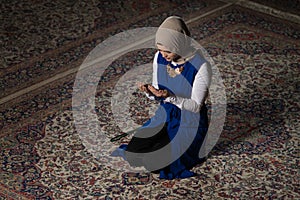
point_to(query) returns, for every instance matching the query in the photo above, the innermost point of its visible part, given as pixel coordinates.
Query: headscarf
(174, 35)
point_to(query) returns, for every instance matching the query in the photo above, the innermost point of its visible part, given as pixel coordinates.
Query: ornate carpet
(42, 155)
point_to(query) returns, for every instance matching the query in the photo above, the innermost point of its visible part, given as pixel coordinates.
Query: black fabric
(149, 139)
(144, 141)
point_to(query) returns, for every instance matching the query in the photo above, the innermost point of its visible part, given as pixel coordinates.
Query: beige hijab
(174, 36)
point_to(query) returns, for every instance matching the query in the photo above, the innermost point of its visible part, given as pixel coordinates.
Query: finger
(153, 90)
(157, 93)
(143, 88)
(139, 84)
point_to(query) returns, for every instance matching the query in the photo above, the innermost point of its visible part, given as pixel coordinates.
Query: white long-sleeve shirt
(199, 88)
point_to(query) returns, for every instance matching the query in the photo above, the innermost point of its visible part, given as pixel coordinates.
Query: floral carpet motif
(70, 54)
(257, 156)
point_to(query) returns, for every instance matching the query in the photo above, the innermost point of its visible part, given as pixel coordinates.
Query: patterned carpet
(42, 155)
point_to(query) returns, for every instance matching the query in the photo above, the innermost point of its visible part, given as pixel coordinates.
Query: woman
(170, 141)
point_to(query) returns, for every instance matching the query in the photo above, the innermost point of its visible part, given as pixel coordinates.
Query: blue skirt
(180, 133)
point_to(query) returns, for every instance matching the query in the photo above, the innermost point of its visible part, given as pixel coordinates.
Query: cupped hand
(158, 93)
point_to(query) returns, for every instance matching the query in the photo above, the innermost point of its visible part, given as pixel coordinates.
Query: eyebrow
(164, 51)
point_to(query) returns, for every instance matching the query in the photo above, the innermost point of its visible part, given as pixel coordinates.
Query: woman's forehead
(161, 47)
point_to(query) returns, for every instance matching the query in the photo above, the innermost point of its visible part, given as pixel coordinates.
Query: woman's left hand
(158, 93)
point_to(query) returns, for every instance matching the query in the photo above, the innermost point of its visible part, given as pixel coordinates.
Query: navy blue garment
(182, 130)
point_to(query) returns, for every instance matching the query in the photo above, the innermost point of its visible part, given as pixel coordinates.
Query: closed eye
(162, 51)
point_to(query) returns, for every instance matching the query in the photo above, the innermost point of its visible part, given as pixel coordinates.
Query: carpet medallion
(257, 156)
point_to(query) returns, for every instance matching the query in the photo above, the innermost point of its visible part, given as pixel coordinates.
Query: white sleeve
(155, 69)
(154, 77)
(199, 91)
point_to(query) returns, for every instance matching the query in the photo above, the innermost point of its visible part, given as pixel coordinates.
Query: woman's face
(169, 56)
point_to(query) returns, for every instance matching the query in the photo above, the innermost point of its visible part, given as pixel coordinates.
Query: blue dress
(183, 130)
